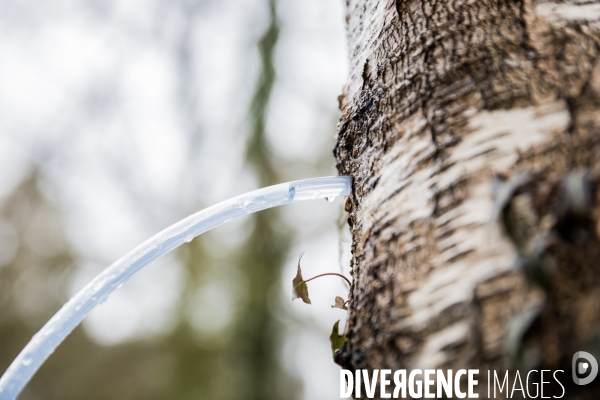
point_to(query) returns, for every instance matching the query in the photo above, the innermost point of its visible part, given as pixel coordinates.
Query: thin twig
(330, 273)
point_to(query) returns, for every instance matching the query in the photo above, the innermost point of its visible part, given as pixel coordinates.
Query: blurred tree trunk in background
(471, 131)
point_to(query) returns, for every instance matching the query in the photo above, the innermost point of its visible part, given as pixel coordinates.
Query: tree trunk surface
(471, 131)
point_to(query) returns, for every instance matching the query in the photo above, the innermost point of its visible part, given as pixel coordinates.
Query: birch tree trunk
(471, 129)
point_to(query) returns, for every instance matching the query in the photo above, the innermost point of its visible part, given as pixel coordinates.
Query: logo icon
(585, 368)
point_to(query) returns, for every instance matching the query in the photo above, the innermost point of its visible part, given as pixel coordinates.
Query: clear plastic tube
(97, 291)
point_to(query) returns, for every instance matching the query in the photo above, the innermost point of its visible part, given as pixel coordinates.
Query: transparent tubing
(96, 292)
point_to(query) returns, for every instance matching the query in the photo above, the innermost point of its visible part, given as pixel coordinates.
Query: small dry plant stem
(332, 274)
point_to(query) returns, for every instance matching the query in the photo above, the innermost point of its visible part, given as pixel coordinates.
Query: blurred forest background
(118, 118)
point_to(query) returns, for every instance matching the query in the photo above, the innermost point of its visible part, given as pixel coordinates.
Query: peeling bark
(471, 131)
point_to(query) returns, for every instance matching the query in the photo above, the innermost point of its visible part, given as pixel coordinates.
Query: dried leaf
(336, 340)
(299, 287)
(339, 303)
